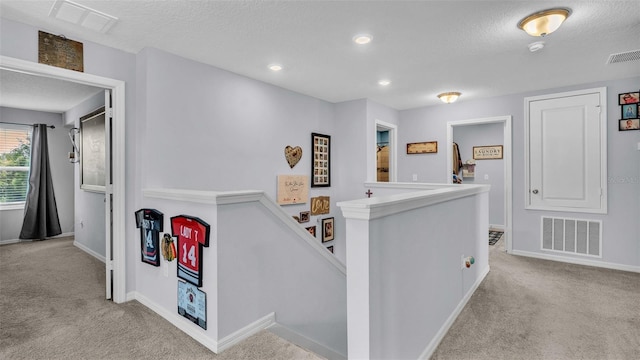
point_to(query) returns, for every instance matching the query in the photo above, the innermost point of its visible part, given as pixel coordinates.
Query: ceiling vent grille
(624, 57)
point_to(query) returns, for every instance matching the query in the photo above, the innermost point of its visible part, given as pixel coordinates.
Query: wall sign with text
(487, 152)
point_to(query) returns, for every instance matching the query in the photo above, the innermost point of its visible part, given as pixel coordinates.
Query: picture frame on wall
(629, 98)
(629, 111)
(304, 216)
(328, 229)
(628, 124)
(320, 160)
(312, 230)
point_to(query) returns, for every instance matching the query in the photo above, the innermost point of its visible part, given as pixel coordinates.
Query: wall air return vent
(573, 236)
(633, 55)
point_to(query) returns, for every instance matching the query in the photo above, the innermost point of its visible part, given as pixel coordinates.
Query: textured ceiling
(423, 47)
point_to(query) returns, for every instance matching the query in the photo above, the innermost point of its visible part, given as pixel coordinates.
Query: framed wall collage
(321, 160)
(629, 110)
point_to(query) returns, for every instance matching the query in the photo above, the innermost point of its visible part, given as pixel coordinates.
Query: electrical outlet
(165, 269)
(415, 177)
(486, 176)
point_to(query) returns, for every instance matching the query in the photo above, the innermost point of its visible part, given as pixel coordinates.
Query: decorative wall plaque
(59, 51)
(427, 147)
(293, 189)
(487, 152)
(320, 205)
(293, 155)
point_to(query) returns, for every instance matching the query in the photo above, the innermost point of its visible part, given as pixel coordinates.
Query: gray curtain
(40, 212)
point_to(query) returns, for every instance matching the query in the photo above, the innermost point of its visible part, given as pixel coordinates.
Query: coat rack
(74, 156)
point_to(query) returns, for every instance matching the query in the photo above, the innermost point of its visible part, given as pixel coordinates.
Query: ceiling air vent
(624, 56)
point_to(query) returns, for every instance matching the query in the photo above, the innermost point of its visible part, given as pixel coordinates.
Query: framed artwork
(487, 152)
(629, 124)
(429, 147)
(92, 151)
(328, 230)
(192, 304)
(330, 248)
(320, 205)
(629, 98)
(150, 222)
(304, 216)
(312, 230)
(320, 160)
(629, 111)
(293, 189)
(193, 237)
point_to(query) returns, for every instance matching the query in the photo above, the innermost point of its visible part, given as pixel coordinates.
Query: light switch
(486, 176)
(415, 176)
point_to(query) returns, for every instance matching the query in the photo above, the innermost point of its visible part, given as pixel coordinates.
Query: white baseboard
(241, 334)
(178, 321)
(13, 241)
(496, 227)
(426, 354)
(305, 343)
(570, 260)
(88, 251)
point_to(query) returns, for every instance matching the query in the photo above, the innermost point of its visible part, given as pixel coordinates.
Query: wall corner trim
(429, 350)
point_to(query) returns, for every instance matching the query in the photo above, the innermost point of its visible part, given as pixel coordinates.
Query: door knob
(535, 191)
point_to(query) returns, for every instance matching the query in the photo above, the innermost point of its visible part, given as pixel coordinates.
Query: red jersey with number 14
(192, 234)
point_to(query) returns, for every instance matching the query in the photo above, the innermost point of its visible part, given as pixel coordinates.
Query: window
(15, 156)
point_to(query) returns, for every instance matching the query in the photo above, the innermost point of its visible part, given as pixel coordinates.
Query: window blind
(15, 154)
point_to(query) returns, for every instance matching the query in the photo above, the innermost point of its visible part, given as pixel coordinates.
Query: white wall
(621, 226)
(20, 41)
(90, 206)
(61, 170)
(469, 136)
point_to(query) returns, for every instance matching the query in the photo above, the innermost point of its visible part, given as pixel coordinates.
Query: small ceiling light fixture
(449, 97)
(275, 67)
(384, 82)
(362, 39)
(544, 22)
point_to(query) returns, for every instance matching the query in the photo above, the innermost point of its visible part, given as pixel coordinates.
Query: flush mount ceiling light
(362, 39)
(544, 22)
(384, 82)
(81, 15)
(449, 97)
(275, 67)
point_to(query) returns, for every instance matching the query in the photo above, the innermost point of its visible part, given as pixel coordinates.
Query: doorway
(386, 155)
(115, 191)
(505, 121)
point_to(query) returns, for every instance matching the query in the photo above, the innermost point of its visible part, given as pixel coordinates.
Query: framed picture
(320, 205)
(629, 98)
(487, 152)
(328, 229)
(629, 111)
(192, 303)
(304, 216)
(312, 230)
(629, 124)
(429, 147)
(320, 160)
(92, 151)
(330, 248)
(293, 189)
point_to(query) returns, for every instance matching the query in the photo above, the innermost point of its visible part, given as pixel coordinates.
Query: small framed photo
(312, 230)
(321, 164)
(629, 111)
(629, 124)
(330, 248)
(328, 229)
(629, 98)
(304, 217)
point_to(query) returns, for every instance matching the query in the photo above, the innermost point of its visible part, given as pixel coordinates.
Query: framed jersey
(150, 223)
(193, 235)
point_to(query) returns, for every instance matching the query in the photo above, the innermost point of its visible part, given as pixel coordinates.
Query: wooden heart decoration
(293, 155)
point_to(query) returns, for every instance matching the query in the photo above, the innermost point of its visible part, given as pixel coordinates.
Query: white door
(108, 195)
(567, 152)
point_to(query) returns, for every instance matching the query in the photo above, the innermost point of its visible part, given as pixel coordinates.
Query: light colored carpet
(536, 309)
(52, 307)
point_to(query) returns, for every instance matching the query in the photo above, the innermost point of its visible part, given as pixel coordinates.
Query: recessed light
(362, 39)
(275, 67)
(384, 82)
